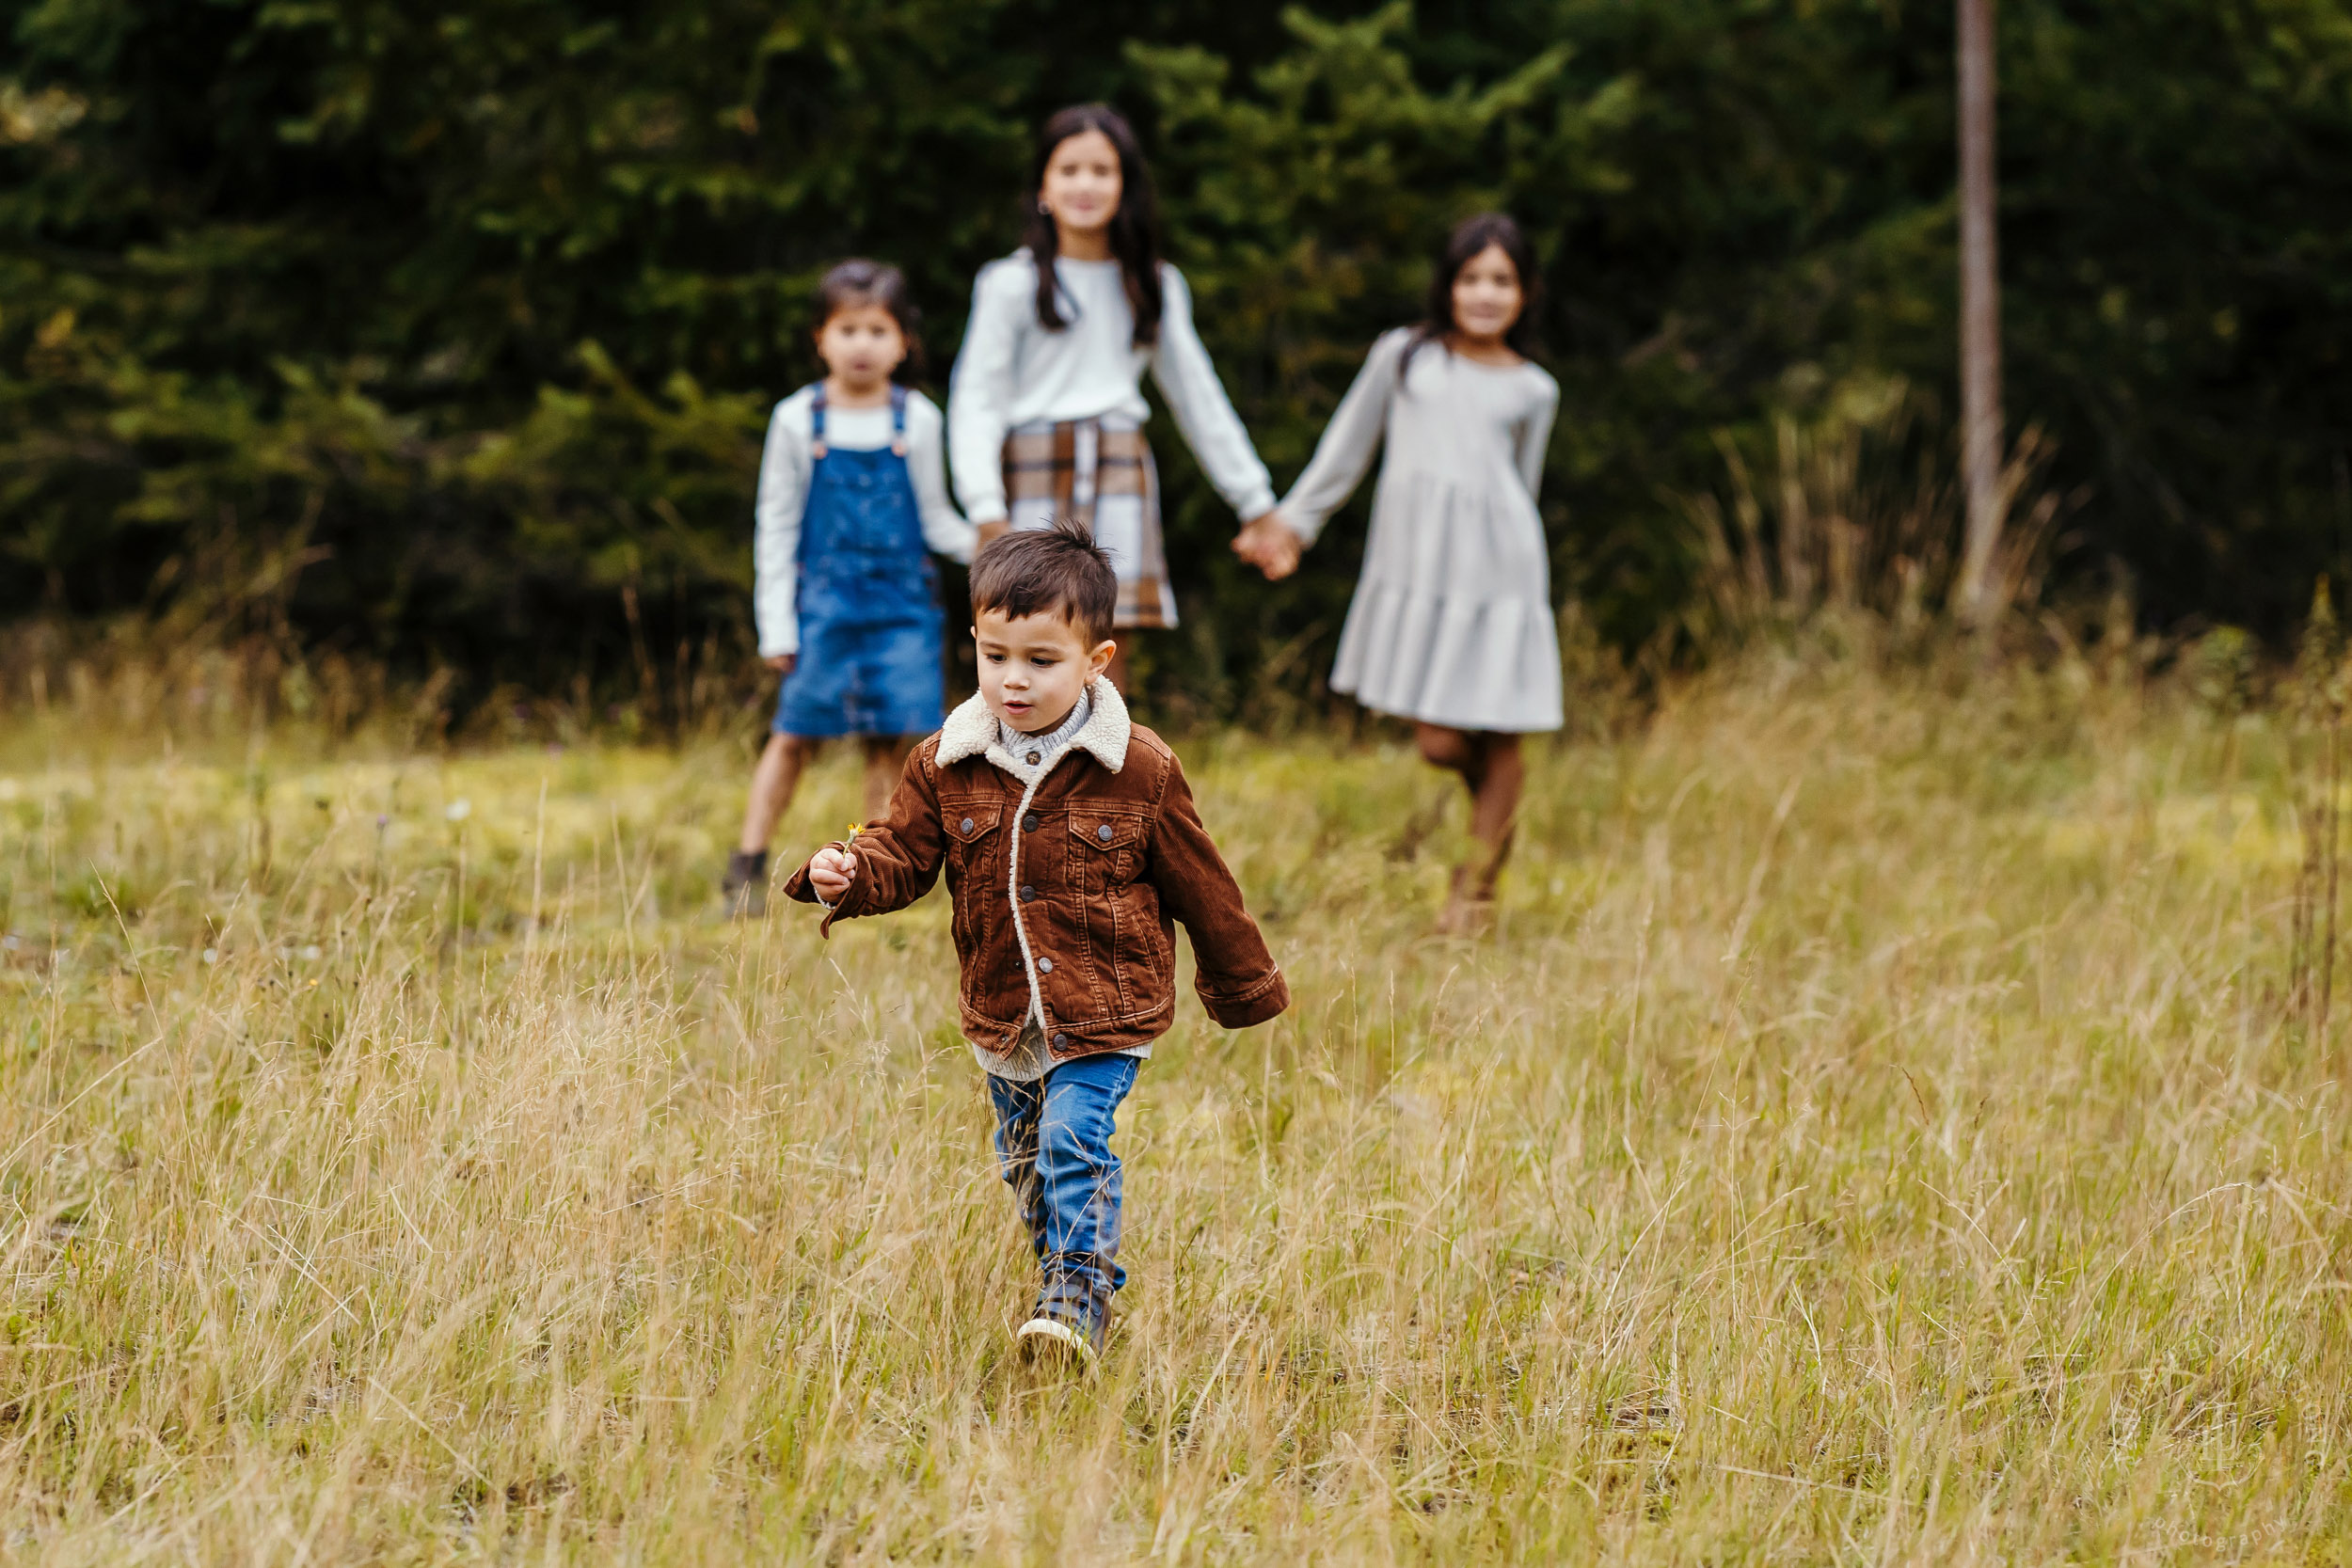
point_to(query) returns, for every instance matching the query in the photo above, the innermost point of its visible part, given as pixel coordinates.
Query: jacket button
(1045, 966)
(1104, 832)
(1033, 759)
(1028, 823)
(1061, 1040)
(967, 824)
(1027, 892)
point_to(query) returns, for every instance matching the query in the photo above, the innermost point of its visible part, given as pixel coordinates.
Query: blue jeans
(1054, 1145)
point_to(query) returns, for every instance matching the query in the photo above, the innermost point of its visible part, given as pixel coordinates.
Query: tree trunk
(1979, 313)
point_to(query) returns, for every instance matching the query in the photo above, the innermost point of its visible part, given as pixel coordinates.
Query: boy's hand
(830, 871)
(780, 663)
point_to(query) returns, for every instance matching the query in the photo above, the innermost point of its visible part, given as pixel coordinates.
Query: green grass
(1873, 1134)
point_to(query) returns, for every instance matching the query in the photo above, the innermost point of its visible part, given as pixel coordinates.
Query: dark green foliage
(425, 329)
(2180, 254)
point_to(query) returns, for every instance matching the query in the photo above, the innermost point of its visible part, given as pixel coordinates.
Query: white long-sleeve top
(1011, 372)
(785, 469)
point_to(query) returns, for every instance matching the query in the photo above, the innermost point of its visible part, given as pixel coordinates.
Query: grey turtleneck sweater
(1032, 754)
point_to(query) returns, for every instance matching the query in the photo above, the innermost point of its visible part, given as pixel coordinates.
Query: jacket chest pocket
(1106, 847)
(1108, 855)
(976, 861)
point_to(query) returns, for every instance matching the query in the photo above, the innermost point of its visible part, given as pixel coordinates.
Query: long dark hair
(1470, 237)
(1134, 228)
(853, 284)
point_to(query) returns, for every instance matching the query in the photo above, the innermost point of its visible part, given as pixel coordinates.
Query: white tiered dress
(1451, 623)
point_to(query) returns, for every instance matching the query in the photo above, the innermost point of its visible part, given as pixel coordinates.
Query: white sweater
(1011, 372)
(785, 471)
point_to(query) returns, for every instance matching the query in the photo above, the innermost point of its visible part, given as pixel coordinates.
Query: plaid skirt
(1100, 472)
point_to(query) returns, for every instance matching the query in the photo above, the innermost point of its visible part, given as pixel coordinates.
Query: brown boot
(1470, 904)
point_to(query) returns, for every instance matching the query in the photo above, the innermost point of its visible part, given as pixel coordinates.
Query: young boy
(1070, 845)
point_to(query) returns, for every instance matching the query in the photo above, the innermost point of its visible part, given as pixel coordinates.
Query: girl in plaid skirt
(1045, 410)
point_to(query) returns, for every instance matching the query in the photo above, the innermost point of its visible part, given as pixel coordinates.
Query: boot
(744, 888)
(1470, 904)
(1469, 909)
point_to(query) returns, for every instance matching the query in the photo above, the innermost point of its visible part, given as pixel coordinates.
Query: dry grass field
(1879, 1131)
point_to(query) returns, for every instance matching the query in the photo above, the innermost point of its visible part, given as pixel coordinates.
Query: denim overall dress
(868, 599)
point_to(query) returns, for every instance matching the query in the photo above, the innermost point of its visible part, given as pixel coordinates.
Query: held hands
(1267, 543)
(780, 663)
(830, 871)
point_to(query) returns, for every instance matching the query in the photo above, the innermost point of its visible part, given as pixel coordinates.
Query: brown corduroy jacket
(1066, 891)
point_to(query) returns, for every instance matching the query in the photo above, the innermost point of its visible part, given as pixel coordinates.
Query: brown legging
(1494, 774)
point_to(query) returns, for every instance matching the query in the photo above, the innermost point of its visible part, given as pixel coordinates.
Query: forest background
(438, 335)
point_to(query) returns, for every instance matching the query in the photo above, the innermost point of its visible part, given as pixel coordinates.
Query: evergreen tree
(438, 324)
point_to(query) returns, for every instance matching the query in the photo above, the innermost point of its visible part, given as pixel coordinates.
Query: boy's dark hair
(853, 284)
(1031, 571)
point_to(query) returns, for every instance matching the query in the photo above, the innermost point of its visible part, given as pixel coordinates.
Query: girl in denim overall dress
(853, 501)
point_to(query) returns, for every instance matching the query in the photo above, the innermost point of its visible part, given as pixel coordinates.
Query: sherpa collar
(971, 730)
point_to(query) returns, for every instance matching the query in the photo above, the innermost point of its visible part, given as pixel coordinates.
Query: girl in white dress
(1452, 624)
(1045, 410)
